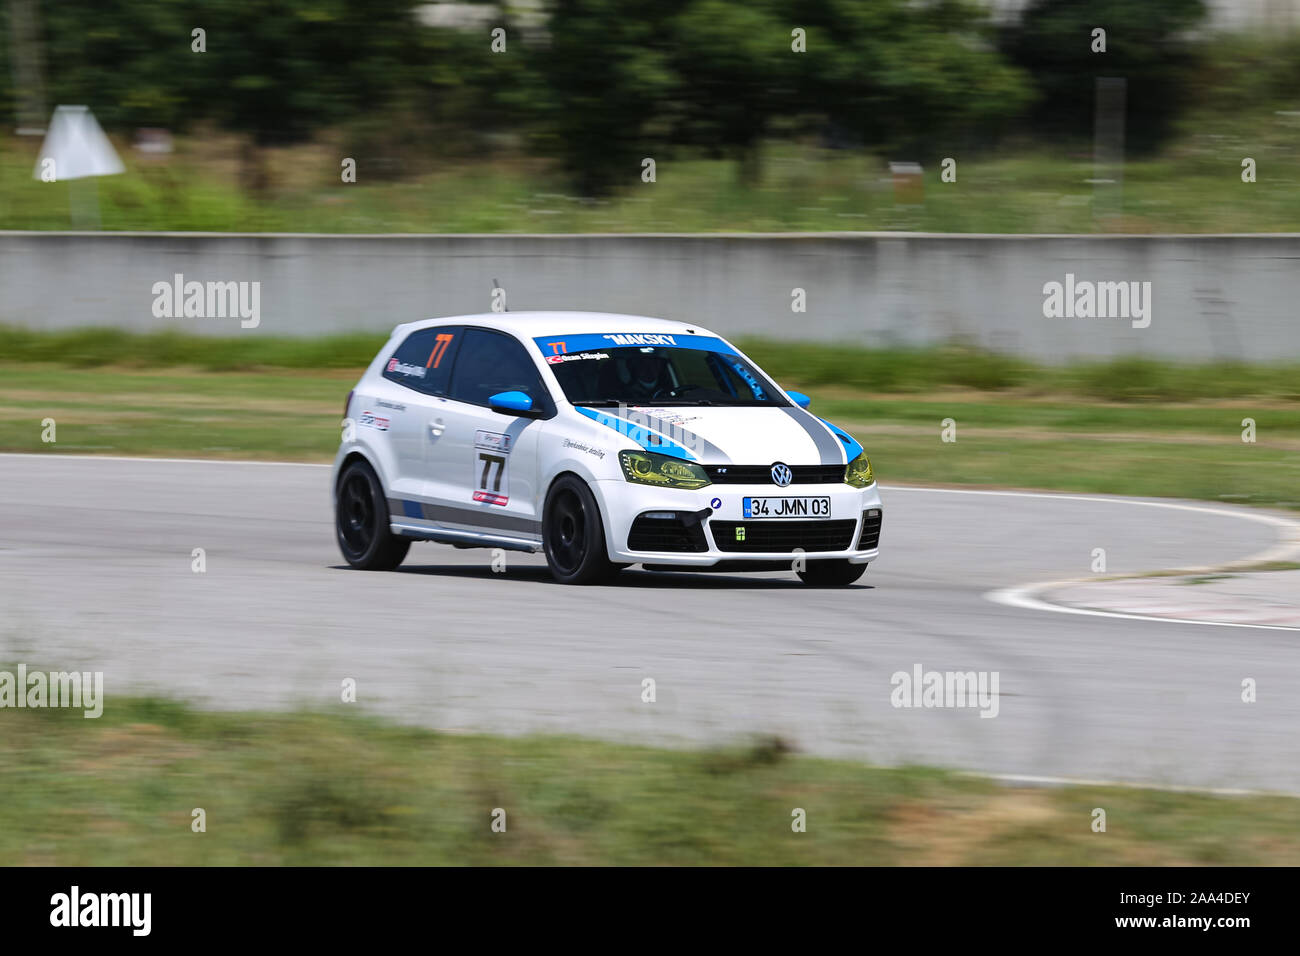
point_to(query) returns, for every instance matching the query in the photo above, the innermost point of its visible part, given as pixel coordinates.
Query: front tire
(573, 534)
(833, 573)
(361, 521)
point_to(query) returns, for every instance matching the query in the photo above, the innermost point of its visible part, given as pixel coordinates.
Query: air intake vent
(762, 474)
(782, 536)
(666, 534)
(870, 537)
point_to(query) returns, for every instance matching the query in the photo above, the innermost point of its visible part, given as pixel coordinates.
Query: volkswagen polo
(601, 440)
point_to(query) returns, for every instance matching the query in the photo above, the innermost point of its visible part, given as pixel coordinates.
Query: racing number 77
(488, 462)
(440, 343)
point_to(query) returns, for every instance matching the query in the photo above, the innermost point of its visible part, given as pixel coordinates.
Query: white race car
(603, 440)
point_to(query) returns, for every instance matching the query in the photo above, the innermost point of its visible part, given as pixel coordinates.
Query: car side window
(489, 362)
(423, 362)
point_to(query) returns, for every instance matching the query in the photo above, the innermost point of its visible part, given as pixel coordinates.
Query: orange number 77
(440, 343)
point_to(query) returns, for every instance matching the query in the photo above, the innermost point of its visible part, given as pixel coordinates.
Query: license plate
(787, 507)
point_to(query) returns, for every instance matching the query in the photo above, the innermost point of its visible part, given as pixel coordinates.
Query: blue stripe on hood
(647, 439)
(851, 447)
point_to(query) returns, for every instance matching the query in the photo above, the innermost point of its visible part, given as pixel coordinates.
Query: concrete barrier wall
(1212, 297)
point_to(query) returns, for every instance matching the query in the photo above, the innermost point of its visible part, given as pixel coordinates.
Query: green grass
(1082, 428)
(1195, 186)
(810, 364)
(344, 788)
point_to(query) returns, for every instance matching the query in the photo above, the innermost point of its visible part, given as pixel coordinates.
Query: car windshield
(667, 375)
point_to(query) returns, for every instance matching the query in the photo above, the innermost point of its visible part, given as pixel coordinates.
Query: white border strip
(1027, 596)
(1035, 780)
(59, 456)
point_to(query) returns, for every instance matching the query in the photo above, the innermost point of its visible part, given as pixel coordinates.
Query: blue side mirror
(511, 403)
(799, 398)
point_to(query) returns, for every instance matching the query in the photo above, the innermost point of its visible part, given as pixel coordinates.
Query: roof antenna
(495, 286)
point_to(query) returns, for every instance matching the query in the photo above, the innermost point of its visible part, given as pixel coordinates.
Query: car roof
(527, 325)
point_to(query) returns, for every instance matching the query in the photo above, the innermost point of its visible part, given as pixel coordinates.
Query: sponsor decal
(740, 532)
(579, 446)
(666, 415)
(492, 441)
(640, 338)
(369, 419)
(575, 357)
(487, 498)
(401, 368)
(575, 342)
(752, 382)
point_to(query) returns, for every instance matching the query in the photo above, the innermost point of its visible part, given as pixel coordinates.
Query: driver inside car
(649, 377)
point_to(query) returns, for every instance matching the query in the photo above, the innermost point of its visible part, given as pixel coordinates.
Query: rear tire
(573, 534)
(833, 573)
(361, 521)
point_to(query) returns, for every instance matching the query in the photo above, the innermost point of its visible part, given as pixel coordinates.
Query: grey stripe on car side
(475, 517)
(828, 446)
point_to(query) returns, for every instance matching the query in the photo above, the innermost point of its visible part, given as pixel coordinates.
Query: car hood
(739, 435)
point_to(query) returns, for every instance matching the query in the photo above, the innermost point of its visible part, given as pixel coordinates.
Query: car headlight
(647, 468)
(858, 472)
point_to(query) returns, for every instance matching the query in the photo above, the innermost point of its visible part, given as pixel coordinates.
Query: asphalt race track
(96, 574)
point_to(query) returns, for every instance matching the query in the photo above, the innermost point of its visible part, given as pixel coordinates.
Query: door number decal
(491, 478)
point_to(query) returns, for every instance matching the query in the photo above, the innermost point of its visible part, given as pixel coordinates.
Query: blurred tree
(276, 70)
(279, 69)
(908, 78)
(734, 71)
(129, 62)
(609, 85)
(1150, 44)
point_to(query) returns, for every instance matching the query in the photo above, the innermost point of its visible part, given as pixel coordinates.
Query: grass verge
(344, 788)
(1126, 428)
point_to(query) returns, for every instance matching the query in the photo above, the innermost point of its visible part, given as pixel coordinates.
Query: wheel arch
(593, 485)
(357, 453)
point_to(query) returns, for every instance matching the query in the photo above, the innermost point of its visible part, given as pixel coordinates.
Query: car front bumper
(726, 536)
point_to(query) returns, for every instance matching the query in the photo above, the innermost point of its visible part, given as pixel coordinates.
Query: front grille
(762, 474)
(778, 535)
(666, 534)
(870, 537)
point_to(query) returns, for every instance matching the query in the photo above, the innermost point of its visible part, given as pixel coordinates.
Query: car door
(415, 378)
(483, 469)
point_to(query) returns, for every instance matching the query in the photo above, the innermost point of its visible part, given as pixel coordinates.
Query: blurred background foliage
(590, 87)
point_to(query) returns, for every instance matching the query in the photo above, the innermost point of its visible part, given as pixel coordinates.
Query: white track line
(1025, 778)
(1026, 596)
(55, 456)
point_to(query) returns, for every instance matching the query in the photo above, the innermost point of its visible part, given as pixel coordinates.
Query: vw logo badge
(781, 474)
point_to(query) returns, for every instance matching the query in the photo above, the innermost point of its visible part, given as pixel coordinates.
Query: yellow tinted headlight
(647, 468)
(858, 472)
